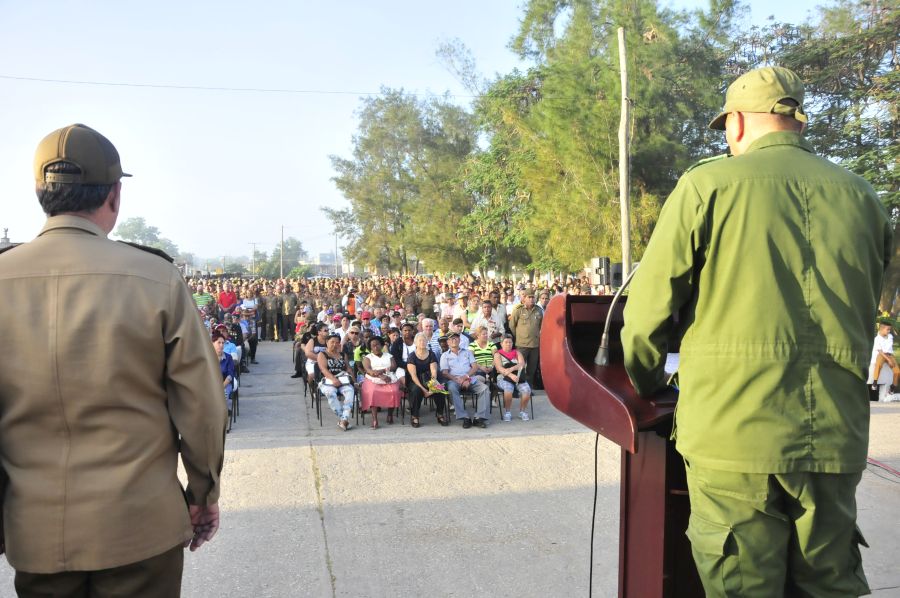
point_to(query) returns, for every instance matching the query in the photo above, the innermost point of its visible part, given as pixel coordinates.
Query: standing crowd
(383, 340)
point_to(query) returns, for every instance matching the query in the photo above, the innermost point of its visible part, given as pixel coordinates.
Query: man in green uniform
(773, 415)
(273, 312)
(288, 309)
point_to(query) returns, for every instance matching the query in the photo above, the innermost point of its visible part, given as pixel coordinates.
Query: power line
(275, 90)
(212, 88)
(191, 87)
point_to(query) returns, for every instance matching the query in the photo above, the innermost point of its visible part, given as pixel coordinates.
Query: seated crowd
(381, 340)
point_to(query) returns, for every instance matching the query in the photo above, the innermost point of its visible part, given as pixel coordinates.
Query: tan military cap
(93, 153)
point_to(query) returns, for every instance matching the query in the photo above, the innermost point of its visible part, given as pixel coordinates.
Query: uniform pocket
(863, 584)
(715, 554)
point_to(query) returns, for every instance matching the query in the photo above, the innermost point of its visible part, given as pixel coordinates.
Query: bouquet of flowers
(436, 387)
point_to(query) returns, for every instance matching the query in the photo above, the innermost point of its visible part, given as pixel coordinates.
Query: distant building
(322, 264)
(4, 240)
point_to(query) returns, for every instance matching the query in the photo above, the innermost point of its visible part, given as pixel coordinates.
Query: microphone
(602, 357)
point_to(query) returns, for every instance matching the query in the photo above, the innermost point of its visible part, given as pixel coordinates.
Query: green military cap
(763, 90)
(84, 147)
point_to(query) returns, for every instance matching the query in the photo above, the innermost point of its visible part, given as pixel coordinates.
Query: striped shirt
(484, 357)
(203, 299)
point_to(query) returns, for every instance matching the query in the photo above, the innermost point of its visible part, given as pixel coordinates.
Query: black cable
(593, 519)
(882, 476)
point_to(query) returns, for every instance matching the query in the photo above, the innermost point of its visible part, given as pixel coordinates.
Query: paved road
(314, 511)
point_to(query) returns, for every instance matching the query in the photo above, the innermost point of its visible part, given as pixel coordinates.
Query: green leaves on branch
(403, 183)
(528, 176)
(136, 230)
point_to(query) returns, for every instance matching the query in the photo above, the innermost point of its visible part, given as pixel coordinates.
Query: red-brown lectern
(654, 554)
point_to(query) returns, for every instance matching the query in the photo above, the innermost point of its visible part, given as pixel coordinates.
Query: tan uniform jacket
(525, 324)
(107, 363)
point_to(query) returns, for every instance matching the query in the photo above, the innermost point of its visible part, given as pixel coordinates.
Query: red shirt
(227, 299)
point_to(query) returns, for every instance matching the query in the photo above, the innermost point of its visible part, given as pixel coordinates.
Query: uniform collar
(780, 138)
(72, 222)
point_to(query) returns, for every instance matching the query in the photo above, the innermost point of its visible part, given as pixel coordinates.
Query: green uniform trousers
(156, 577)
(775, 535)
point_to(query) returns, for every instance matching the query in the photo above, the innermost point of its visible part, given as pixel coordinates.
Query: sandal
(414, 422)
(443, 420)
(374, 423)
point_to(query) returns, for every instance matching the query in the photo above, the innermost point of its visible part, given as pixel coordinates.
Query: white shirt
(494, 324)
(883, 344)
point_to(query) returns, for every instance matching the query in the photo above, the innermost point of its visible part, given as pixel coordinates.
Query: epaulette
(8, 247)
(153, 250)
(707, 161)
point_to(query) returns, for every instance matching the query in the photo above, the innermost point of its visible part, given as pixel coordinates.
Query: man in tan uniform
(112, 375)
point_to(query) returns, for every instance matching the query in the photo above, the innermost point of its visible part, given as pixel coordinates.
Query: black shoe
(297, 376)
(253, 362)
(481, 423)
(467, 422)
(892, 389)
(245, 369)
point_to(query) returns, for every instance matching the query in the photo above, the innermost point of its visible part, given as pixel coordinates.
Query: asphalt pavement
(311, 510)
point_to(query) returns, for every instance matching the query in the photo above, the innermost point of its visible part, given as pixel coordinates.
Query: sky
(218, 170)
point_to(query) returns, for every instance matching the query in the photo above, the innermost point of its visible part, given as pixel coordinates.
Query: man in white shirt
(457, 327)
(459, 369)
(489, 318)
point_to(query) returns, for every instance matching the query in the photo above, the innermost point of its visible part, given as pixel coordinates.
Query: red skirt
(380, 395)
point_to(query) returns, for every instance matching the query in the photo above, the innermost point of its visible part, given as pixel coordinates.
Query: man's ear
(739, 126)
(114, 198)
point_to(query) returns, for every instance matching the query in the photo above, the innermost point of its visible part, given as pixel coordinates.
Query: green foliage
(403, 183)
(300, 272)
(236, 268)
(529, 176)
(136, 230)
(556, 125)
(270, 267)
(850, 63)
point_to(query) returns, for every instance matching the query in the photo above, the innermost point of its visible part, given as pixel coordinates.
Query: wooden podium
(654, 554)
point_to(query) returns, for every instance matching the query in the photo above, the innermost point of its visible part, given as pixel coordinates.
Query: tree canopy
(527, 175)
(136, 230)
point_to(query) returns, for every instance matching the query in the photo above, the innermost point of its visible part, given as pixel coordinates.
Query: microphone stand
(602, 357)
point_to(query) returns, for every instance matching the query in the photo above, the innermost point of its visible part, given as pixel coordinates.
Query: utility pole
(281, 270)
(253, 259)
(624, 161)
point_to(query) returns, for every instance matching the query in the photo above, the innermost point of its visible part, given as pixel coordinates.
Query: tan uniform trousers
(156, 577)
(786, 535)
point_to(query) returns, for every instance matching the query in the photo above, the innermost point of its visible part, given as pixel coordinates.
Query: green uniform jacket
(774, 262)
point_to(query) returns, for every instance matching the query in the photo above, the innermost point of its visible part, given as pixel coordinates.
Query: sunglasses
(354, 333)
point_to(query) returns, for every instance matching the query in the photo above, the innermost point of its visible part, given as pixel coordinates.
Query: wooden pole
(624, 161)
(281, 264)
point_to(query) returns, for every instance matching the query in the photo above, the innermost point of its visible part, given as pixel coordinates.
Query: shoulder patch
(153, 250)
(8, 247)
(707, 161)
